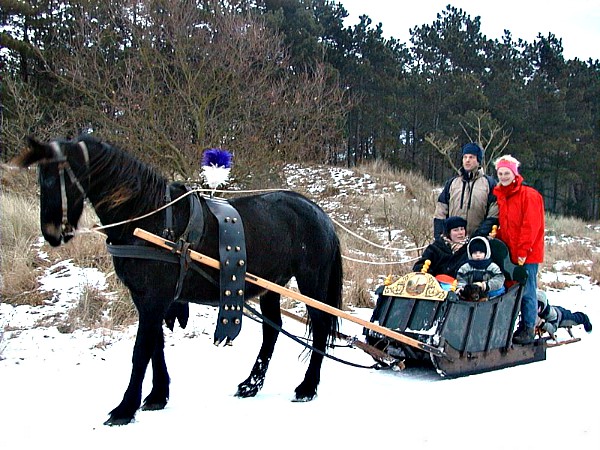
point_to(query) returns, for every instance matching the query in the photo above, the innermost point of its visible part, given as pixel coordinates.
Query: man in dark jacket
(468, 195)
(449, 250)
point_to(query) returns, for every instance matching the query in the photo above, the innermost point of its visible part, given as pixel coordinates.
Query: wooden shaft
(211, 262)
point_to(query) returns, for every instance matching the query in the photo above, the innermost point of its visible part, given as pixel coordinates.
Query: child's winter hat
(473, 149)
(479, 244)
(509, 162)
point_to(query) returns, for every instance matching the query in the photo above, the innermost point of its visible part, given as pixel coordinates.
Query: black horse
(286, 236)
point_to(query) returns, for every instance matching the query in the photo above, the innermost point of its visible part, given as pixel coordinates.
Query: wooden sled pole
(266, 284)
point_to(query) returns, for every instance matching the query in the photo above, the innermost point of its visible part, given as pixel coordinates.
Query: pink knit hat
(509, 162)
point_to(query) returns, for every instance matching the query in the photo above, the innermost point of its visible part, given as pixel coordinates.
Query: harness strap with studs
(232, 255)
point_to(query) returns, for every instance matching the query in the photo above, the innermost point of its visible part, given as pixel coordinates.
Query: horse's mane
(128, 181)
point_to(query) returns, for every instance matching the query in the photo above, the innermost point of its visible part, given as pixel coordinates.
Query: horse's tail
(334, 289)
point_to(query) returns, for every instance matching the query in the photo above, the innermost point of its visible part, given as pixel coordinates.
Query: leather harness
(232, 257)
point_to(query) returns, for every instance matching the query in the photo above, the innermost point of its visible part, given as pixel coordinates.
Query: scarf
(455, 246)
(480, 264)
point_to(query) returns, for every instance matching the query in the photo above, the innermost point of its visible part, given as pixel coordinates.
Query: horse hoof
(254, 383)
(245, 391)
(113, 421)
(305, 393)
(308, 398)
(155, 406)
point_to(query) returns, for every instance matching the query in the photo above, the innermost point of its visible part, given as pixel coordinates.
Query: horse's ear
(36, 152)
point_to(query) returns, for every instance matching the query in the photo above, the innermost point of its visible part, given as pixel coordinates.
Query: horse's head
(61, 165)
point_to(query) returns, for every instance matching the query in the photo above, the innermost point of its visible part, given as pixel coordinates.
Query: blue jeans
(569, 318)
(529, 299)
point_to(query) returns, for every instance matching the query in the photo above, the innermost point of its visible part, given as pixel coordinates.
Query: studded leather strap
(232, 255)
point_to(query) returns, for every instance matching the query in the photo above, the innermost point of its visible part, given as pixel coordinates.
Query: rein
(67, 229)
(97, 229)
(300, 341)
(170, 203)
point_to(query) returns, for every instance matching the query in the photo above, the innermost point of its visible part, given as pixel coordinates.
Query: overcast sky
(576, 22)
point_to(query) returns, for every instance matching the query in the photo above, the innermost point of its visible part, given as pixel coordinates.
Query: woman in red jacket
(521, 218)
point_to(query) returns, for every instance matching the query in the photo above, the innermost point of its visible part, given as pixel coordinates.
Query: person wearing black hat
(468, 195)
(480, 270)
(448, 251)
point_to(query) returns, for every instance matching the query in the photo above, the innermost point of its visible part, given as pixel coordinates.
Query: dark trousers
(570, 319)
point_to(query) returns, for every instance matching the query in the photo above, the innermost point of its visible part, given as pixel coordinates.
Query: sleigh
(473, 337)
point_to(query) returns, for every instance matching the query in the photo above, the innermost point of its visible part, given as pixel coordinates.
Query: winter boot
(587, 325)
(524, 336)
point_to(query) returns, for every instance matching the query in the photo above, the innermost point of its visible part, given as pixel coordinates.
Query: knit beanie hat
(453, 222)
(477, 245)
(473, 149)
(509, 162)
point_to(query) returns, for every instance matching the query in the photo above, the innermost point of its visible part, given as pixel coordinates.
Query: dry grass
(96, 309)
(575, 251)
(18, 231)
(21, 264)
(405, 202)
(18, 181)
(571, 227)
(573, 240)
(595, 268)
(397, 215)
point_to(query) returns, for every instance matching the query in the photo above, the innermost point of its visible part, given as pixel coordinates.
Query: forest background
(283, 81)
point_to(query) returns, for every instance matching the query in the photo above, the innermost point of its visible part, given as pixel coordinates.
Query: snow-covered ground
(56, 390)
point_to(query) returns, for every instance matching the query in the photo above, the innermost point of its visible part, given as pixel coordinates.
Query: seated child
(550, 318)
(480, 270)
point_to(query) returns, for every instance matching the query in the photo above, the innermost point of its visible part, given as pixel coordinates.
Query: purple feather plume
(216, 157)
(216, 165)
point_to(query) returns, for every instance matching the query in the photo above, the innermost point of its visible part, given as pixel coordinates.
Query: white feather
(215, 176)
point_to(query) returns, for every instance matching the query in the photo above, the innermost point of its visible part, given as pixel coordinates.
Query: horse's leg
(159, 395)
(322, 325)
(269, 305)
(149, 335)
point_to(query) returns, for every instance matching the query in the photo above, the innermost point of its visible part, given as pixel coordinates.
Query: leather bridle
(66, 228)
